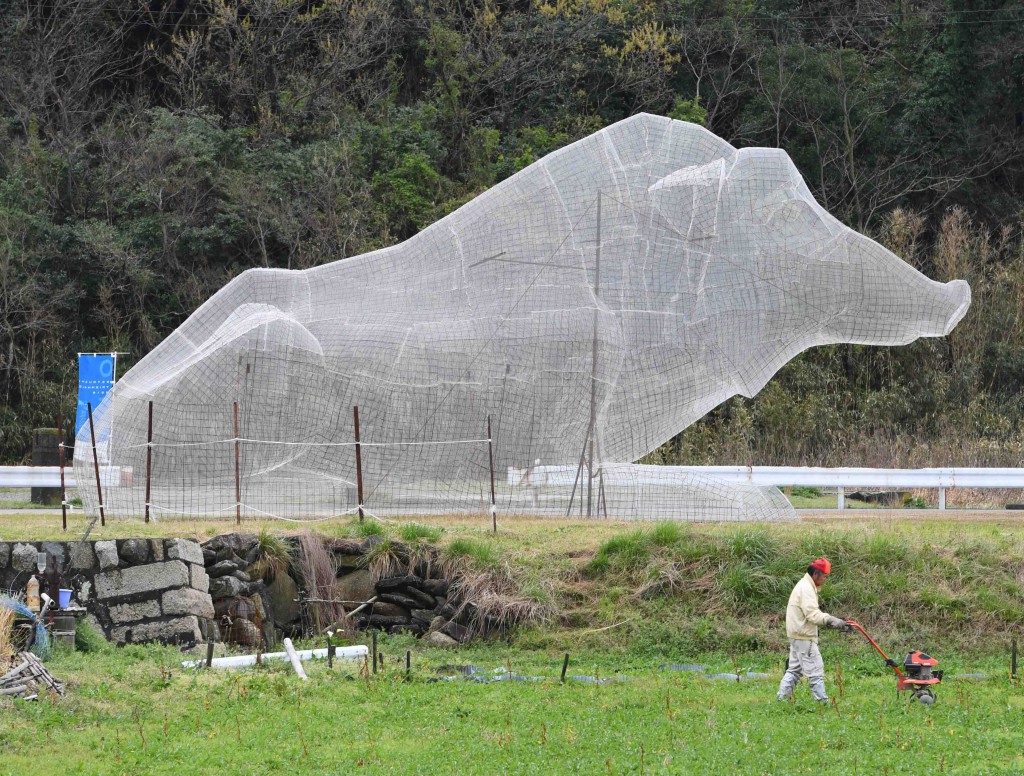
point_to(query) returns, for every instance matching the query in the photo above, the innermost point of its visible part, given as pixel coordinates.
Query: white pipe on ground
(294, 657)
(241, 661)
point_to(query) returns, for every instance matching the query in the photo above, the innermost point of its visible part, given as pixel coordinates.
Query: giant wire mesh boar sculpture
(590, 307)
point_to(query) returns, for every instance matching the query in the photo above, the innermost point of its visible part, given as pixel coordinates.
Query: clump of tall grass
(368, 527)
(466, 554)
(275, 557)
(412, 532)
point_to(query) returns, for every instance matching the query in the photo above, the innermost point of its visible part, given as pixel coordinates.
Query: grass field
(623, 600)
(135, 710)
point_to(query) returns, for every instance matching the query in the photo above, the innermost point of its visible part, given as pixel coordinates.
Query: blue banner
(95, 379)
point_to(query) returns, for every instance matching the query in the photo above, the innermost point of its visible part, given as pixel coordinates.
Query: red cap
(822, 565)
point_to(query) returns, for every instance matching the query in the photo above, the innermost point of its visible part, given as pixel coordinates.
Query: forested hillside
(149, 151)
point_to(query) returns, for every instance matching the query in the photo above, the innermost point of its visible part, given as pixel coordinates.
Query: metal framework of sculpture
(590, 307)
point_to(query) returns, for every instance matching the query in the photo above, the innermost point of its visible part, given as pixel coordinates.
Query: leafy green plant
(805, 491)
(368, 527)
(88, 640)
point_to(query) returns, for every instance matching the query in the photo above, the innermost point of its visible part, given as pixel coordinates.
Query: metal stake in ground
(565, 666)
(60, 458)
(1013, 659)
(238, 477)
(490, 459)
(359, 488)
(373, 636)
(149, 457)
(96, 464)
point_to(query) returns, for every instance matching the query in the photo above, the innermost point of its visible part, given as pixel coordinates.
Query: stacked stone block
(135, 590)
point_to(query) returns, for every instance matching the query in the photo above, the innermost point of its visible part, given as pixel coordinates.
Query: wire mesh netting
(589, 308)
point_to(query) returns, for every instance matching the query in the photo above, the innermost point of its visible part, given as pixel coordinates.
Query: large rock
(425, 600)
(242, 632)
(200, 580)
(357, 586)
(156, 547)
(135, 552)
(458, 632)
(82, 556)
(142, 610)
(438, 639)
(386, 610)
(435, 587)
(222, 568)
(184, 549)
(346, 561)
(389, 584)
(233, 608)
(106, 554)
(400, 600)
(23, 557)
(225, 587)
(187, 601)
(141, 579)
(183, 631)
(282, 593)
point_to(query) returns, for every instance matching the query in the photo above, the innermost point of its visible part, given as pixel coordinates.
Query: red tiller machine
(918, 674)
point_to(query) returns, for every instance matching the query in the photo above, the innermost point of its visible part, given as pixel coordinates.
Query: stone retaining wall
(422, 603)
(136, 590)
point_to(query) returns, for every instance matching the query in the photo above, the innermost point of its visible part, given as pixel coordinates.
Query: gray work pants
(804, 660)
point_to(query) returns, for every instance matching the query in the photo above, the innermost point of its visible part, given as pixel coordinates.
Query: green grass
(135, 710)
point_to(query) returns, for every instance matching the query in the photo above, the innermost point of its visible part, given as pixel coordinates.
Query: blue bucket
(64, 598)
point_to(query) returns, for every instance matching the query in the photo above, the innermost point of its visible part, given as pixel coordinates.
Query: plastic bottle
(32, 594)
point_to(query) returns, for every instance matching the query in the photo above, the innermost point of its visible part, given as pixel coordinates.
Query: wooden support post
(149, 459)
(330, 653)
(96, 464)
(359, 486)
(60, 458)
(373, 638)
(238, 476)
(209, 644)
(490, 459)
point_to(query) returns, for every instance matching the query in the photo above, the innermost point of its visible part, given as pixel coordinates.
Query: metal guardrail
(35, 477)
(780, 476)
(842, 479)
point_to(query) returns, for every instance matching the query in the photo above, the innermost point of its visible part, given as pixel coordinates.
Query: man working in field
(802, 620)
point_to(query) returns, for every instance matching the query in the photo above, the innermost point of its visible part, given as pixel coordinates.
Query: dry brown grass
(6, 647)
(320, 574)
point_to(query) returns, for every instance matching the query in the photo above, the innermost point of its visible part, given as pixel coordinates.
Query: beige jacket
(802, 614)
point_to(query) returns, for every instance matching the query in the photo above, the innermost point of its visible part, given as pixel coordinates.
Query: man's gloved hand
(840, 625)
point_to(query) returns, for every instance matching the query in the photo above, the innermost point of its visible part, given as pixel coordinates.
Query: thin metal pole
(96, 464)
(149, 458)
(359, 478)
(238, 476)
(593, 363)
(490, 459)
(60, 458)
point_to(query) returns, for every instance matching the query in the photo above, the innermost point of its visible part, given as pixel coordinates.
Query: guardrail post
(942, 498)
(841, 493)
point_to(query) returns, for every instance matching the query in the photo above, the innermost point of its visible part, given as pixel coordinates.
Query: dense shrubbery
(150, 152)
